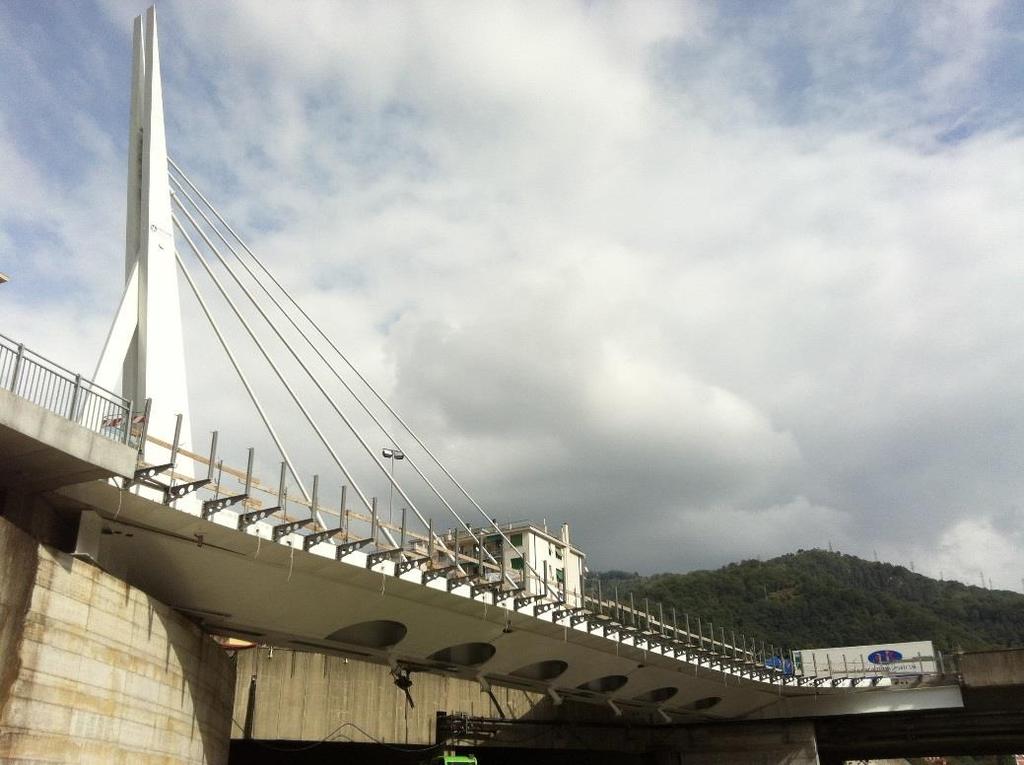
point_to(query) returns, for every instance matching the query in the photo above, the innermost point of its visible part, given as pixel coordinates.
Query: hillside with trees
(818, 598)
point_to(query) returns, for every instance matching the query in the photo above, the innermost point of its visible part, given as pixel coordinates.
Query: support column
(146, 344)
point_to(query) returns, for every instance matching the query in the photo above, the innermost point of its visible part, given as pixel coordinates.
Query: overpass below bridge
(288, 699)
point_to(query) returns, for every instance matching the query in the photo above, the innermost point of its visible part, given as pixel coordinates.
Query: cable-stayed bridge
(312, 562)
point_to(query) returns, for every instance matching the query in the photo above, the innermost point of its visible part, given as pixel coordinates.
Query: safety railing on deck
(51, 386)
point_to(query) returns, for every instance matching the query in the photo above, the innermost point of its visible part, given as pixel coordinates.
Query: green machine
(450, 758)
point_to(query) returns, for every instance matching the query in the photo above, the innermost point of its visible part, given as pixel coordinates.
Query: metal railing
(51, 386)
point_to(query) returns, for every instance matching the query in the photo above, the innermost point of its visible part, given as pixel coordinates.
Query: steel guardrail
(47, 384)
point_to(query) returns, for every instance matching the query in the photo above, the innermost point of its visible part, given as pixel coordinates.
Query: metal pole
(391, 485)
(16, 372)
(314, 503)
(128, 422)
(343, 510)
(73, 414)
(374, 523)
(213, 458)
(177, 437)
(248, 473)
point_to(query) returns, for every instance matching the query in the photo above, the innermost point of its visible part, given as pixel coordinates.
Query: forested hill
(815, 598)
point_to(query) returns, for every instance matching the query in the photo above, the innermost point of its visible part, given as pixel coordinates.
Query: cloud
(708, 282)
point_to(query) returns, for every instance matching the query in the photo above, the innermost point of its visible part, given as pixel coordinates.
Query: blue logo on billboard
(885, 656)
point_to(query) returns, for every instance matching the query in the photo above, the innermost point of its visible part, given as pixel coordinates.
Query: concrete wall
(982, 669)
(312, 697)
(94, 671)
(307, 696)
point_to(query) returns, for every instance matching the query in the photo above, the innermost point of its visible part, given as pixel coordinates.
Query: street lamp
(392, 454)
(3, 278)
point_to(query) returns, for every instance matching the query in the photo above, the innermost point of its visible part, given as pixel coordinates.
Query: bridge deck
(41, 450)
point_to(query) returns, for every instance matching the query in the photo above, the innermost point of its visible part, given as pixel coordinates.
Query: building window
(559, 575)
(516, 539)
(517, 564)
(558, 553)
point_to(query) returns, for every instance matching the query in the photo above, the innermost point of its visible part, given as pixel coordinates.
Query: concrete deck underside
(238, 583)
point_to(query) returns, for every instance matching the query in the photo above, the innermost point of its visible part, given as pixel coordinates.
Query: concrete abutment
(93, 670)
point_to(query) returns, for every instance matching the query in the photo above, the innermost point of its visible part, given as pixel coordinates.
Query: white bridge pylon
(145, 346)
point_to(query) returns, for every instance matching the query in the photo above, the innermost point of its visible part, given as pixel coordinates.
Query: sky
(709, 281)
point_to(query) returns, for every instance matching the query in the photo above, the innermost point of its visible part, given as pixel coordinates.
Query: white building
(531, 554)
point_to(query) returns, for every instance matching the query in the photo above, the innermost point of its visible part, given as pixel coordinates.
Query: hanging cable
(328, 364)
(301, 364)
(277, 371)
(313, 378)
(241, 375)
(408, 429)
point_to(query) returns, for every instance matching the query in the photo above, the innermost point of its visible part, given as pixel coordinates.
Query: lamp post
(392, 454)
(3, 278)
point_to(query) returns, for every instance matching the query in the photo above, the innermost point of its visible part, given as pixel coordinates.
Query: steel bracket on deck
(543, 608)
(562, 613)
(347, 548)
(455, 581)
(145, 476)
(478, 589)
(380, 556)
(525, 601)
(407, 565)
(213, 506)
(283, 529)
(319, 536)
(438, 573)
(578, 618)
(172, 493)
(502, 595)
(245, 520)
